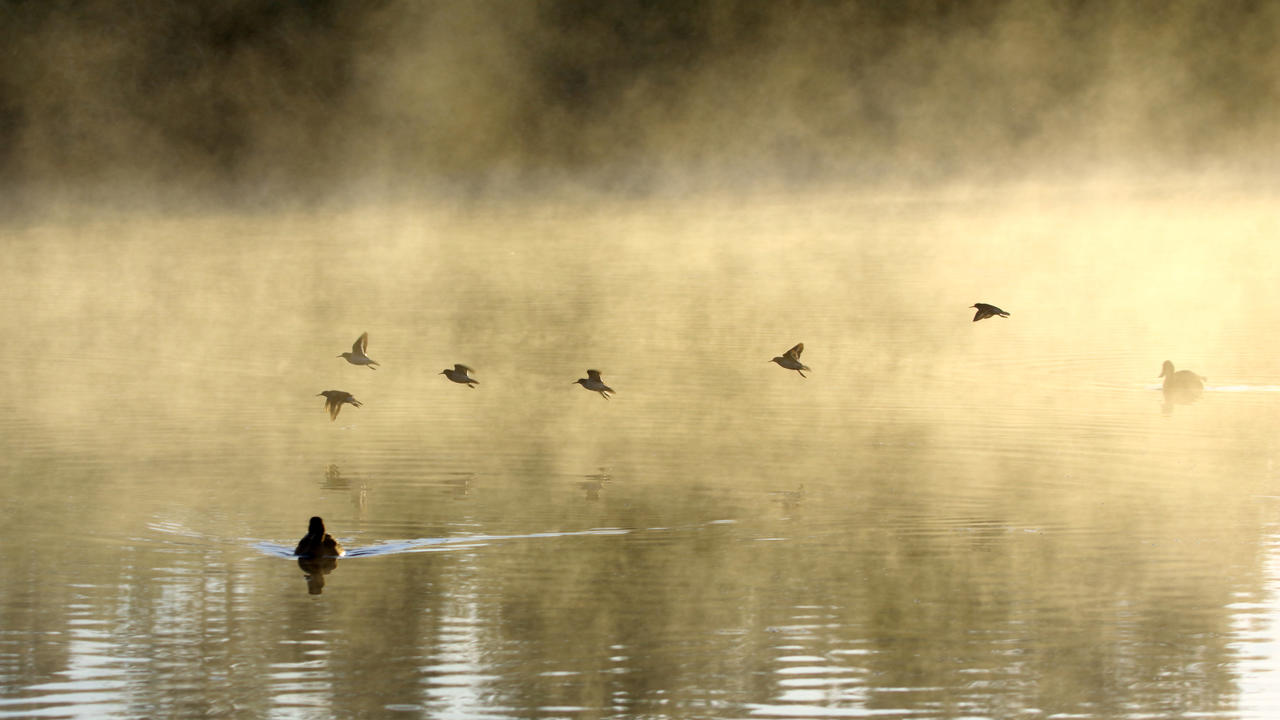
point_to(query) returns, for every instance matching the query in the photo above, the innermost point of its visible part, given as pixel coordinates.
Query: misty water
(944, 519)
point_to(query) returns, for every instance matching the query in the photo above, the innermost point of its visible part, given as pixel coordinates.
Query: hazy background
(203, 203)
(258, 102)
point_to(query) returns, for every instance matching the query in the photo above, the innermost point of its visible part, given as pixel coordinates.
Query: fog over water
(263, 103)
(203, 204)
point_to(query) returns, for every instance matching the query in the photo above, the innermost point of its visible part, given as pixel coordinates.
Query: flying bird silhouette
(357, 355)
(460, 373)
(985, 311)
(791, 360)
(335, 399)
(593, 382)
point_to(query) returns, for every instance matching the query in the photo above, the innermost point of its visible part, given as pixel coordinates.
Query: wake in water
(393, 547)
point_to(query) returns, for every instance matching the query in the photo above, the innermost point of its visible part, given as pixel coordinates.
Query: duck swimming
(317, 543)
(1183, 382)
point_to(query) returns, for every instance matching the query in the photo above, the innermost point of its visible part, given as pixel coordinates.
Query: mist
(261, 104)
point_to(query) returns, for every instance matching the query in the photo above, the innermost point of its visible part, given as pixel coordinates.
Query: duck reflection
(314, 570)
(1182, 387)
(318, 554)
(593, 484)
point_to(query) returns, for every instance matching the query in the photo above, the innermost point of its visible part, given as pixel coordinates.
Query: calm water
(946, 519)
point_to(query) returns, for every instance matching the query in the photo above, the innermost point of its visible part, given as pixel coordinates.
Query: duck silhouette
(317, 543)
(1183, 385)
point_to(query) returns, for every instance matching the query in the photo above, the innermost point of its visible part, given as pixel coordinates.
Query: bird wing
(462, 369)
(360, 344)
(979, 315)
(794, 353)
(593, 374)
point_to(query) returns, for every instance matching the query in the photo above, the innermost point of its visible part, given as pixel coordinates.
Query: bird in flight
(791, 360)
(460, 373)
(357, 355)
(985, 311)
(335, 399)
(593, 382)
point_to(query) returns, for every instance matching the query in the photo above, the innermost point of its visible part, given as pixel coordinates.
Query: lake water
(946, 519)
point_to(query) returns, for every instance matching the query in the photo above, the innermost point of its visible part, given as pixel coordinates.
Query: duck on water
(1181, 385)
(317, 543)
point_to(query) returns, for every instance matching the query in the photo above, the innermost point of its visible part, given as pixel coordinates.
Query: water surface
(945, 519)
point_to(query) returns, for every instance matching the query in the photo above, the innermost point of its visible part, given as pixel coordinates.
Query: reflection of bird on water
(315, 569)
(1180, 387)
(791, 360)
(333, 479)
(460, 374)
(334, 400)
(360, 498)
(357, 355)
(985, 311)
(789, 499)
(593, 382)
(318, 543)
(461, 485)
(593, 484)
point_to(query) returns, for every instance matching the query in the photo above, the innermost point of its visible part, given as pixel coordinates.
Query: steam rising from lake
(268, 104)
